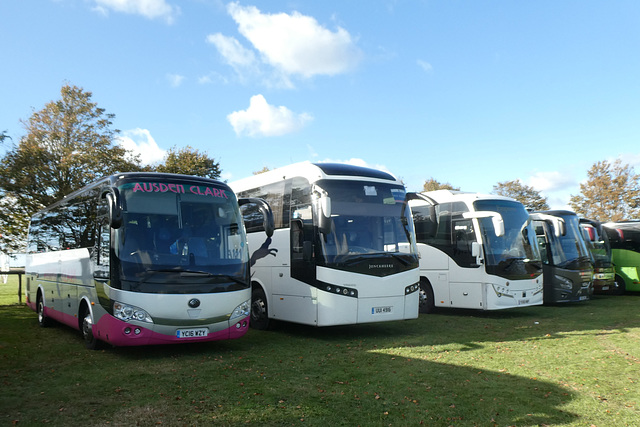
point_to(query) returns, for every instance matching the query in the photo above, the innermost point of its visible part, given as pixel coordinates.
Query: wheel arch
(84, 306)
(427, 301)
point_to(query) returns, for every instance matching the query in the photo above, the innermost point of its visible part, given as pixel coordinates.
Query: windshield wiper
(195, 273)
(536, 263)
(510, 262)
(401, 258)
(233, 279)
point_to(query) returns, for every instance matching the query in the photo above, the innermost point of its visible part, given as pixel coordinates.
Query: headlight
(241, 311)
(128, 312)
(564, 283)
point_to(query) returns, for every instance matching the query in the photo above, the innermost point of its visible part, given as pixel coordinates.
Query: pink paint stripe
(112, 330)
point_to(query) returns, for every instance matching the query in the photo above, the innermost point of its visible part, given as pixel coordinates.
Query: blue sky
(467, 92)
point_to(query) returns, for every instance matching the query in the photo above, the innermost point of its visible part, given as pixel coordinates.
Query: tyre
(426, 301)
(86, 327)
(43, 320)
(621, 287)
(259, 310)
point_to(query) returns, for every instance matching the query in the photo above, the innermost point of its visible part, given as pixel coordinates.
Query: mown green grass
(572, 365)
(9, 291)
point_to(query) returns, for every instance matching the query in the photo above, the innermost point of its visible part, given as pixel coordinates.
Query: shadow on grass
(603, 313)
(269, 378)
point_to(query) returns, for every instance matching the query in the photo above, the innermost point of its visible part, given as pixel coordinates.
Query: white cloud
(175, 80)
(150, 9)
(425, 65)
(209, 78)
(232, 51)
(140, 142)
(551, 181)
(293, 44)
(262, 119)
(631, 159)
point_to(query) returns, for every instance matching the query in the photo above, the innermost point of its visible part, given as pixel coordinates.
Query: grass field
(576, 365)
(9, 290)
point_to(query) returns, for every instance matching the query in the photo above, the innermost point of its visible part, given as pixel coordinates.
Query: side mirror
(559, 226)
(324, 214)
(496, 220)
(475, 249)
(115, 209)
(265, 209)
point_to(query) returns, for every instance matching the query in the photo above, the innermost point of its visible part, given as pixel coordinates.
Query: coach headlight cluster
(241, 311)
(128, 312)
(341, 290)
(411, 288)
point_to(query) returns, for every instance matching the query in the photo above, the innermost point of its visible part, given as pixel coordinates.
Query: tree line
(71, 142)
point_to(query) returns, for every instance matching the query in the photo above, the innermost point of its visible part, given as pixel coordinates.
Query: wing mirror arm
(496, 220)
(265, 209)
(112, 195)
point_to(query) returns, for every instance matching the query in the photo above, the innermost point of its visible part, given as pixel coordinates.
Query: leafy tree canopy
(431, 184)
(611, 193)
(68, 144)
(523, 193)
(189, 161)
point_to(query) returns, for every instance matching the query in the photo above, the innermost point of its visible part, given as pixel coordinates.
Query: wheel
(621, 287)
(43, 320)
(427, 304)
(90, 341)
(259, 310)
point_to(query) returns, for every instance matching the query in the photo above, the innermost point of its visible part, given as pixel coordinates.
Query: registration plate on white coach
(192, 333)
(381, 310)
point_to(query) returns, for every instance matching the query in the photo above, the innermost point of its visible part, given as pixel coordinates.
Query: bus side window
(301, 231)
(542, 243)
(463, 235)
(425, 223)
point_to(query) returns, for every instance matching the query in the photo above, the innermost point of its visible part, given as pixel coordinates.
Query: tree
(432, 184)
(189, 161)
(263, 170)
(611, 193)
(523, 193)
(4, 136)
(68, 144)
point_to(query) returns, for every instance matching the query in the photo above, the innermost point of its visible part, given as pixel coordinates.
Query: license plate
(192, 333)
(523, 301)
(605, 288)
(381, 310)
(584, 298)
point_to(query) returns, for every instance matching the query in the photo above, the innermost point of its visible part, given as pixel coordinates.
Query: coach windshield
(180, 237)
(368, 220)
(515, 254)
